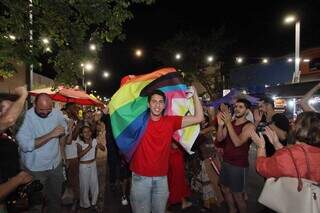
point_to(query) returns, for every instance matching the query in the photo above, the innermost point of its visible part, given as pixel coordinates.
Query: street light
(210, 59)
(138, 53)
(265, 60)
(92, 47)
(89, 83)
(288, 20)
(178, 56)
(45, 40)
(12, 37)
(87, 66)
(239, 60)
(106, 74)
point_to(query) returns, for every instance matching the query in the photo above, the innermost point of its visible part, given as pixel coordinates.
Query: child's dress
(88, 176)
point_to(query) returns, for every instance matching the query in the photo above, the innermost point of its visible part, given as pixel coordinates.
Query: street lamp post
(296, 74)
(83, 76)
(297, 52)
(87, 66)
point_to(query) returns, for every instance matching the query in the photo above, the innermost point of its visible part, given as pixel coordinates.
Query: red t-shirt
(152, 155)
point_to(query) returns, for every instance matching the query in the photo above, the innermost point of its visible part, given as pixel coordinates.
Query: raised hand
(226, 117)
(273, 137)
(97, 116)
(219, 117)
(257, 114)
(257, 139)
(21, 91)
(224, 108)
(191, 91)
(71, 126)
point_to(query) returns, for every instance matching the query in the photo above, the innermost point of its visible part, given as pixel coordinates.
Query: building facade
(20, 79)
(279, 71)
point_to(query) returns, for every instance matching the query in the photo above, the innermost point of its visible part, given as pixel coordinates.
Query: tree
(194, 49)
(61, 33)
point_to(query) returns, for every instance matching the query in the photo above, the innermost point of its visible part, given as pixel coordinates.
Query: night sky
(256, 26)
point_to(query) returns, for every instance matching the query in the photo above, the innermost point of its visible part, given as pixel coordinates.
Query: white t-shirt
(91, 154)
(71, 150)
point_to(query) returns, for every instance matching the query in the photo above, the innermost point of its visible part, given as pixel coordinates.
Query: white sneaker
(124, 201)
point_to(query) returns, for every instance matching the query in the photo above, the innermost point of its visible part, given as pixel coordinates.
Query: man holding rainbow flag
(147, 112)
(149, 164)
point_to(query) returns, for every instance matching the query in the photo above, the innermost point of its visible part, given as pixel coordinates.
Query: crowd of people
(44, 142)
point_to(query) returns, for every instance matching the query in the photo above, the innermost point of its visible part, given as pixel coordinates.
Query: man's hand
(21, 91)
(191, 91)
(224, 108)
(57, 132)
(273, 138)
(258, 139)
(71, 126)
(226, 117)
(257, 114)
(23, 178)
(219, 118)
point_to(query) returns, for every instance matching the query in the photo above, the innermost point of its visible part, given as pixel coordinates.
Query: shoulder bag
(292, 195)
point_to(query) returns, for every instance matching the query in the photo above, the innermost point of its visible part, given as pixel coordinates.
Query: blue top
(48, 156)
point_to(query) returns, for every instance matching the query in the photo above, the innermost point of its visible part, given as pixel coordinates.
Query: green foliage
(70, 26)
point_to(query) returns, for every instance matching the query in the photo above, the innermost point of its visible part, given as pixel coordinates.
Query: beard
(240, 115)
(42, 115)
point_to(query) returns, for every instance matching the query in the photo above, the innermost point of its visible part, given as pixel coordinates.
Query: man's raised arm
(11, 116)
(198, 112)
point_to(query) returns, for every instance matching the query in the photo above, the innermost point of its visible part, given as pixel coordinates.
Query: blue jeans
(149, 194)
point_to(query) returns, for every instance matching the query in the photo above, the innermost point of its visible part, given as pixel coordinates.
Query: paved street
(110, 202)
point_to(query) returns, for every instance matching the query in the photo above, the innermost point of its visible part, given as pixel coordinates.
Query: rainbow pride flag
(129, 110)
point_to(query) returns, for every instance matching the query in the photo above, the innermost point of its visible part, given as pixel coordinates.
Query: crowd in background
(48, 142)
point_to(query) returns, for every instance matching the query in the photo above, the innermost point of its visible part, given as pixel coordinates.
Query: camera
(261, 126)
(29, 189)
(25, 196)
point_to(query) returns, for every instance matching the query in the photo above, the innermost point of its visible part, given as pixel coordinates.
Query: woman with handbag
(299, 161)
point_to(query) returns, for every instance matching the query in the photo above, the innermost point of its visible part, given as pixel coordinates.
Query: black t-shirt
(9, 157)
(111, 143)
(282, 122)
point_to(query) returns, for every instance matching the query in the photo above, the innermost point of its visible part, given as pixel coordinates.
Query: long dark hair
(307, 128)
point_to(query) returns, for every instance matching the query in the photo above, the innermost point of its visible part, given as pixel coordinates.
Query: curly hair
(307, 128)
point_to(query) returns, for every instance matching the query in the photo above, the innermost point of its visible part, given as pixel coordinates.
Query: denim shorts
(233, 177)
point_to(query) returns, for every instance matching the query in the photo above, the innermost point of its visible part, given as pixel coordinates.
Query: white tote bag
(291, 195)
(283, 196)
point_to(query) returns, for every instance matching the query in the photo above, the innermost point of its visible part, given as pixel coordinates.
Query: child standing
(87, 149)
